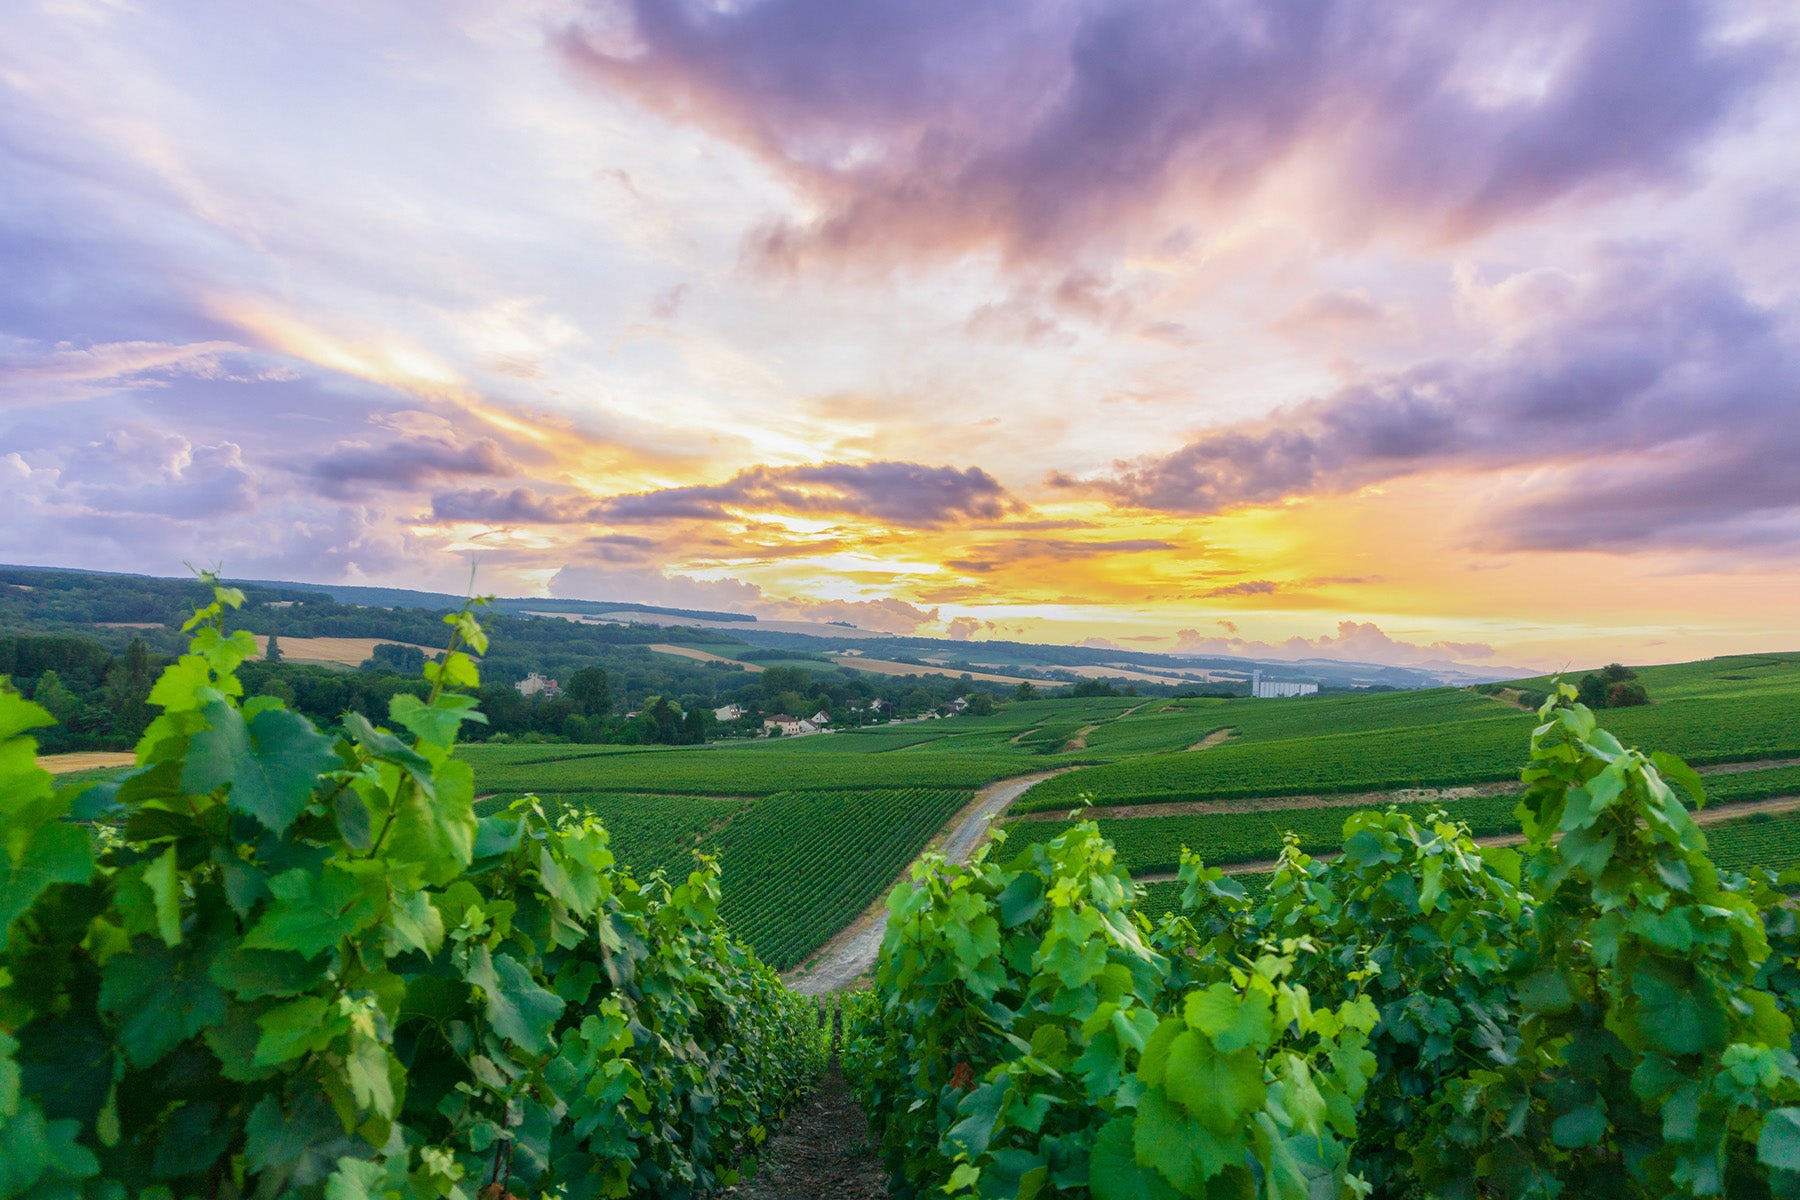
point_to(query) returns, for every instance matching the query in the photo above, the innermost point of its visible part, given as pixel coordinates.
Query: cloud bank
(1042, 128)
(1655, 403)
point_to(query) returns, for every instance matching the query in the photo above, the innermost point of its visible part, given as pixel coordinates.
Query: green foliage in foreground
(278, 963)
(1601, 1014)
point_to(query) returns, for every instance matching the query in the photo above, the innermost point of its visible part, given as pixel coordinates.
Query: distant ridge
(382, 597)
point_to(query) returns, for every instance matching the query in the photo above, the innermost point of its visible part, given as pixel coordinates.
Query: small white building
(1270, 689)
(820, 719)
(535, 685)
(730, 712)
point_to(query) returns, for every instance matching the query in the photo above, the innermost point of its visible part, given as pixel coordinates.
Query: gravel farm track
(845, 958)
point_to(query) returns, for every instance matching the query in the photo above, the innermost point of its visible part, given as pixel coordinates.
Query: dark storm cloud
(1043, 126)
(1661, 406)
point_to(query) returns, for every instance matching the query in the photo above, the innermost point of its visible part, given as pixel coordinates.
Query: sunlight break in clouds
(1337, 329)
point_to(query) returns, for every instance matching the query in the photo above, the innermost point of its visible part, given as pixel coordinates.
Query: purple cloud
(351, 467)
(900, 493)
(1661, 406)
(1044, 127)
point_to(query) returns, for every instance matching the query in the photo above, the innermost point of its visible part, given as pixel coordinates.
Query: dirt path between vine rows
(843, 960)
(821, 1152)
(1706, 816)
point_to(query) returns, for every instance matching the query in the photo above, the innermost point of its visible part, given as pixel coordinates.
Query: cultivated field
(332, 651)
(811, 830)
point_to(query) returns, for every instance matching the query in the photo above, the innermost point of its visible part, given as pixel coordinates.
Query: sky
(1390, 331)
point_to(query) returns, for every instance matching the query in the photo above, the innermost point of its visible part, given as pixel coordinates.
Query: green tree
(54, 695)
(981, 704)
(395, 659)
(128, 690)
(589, 691)
(272, 653)
(1025, 691)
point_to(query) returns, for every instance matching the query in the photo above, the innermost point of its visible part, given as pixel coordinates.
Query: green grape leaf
(297, 1027)
(53, 853)
(1232, 1019)
(32, 1149)
(1218, 1089)
(272, 762)
(185, 684)
(436, 833)
(436, 723)
(162, 877)
(384, 745)
(159, 999)
(313, 912)
(517, 1008)
(1113, 1170)
(1778, 1145)
(1579, 1127)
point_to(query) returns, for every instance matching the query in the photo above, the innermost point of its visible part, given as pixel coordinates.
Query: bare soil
(1079, 741)
(1212, 739)
(822, 1152)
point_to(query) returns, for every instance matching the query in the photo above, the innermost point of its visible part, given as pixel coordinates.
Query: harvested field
(335, 651)
(881, 666)
(700, 655)
(86, 760)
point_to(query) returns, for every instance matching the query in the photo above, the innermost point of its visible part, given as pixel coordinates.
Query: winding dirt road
(844, 959)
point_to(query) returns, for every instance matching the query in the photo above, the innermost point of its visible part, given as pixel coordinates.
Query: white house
(820, 719)
(534, 684)
(730, 712)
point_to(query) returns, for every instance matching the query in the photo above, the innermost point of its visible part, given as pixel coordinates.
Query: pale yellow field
(702, 655)
(338, 651)
(86, 760)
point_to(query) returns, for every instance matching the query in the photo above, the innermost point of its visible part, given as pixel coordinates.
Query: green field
(1434, 738)
(649, 833)
(1149, 845)
(800, 865)
(746, 771)
(811, 830)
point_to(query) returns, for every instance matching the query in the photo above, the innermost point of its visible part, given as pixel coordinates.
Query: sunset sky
(1380, 330)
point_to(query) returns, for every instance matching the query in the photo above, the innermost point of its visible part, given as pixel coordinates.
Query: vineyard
(272, 960)
(1599, 1013)
(802, 865)
(1482, 747)
(1154, 844)
(758, 771)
